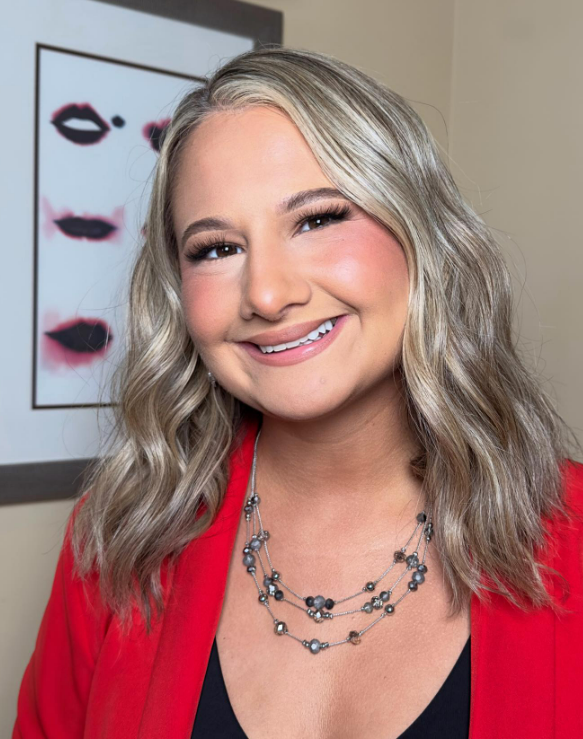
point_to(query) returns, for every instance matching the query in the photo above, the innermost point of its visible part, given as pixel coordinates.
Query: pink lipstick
(298, 353)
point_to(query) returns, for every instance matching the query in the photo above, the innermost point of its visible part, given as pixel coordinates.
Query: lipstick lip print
(76, 342)
(79, 227)
(89, 226)
(82, 112)
(153, 132)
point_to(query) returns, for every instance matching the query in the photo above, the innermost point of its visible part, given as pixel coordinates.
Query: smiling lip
(284, 335)
(298, 353)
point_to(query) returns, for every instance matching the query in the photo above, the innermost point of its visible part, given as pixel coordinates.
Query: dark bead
(389, 608)
(278, 594)
(413, 560)
(248, 509)
(267, 580)
(310, 601)
(329, 604)
(399, 556)
(262, 598)
(422, 568)
(370, 586)
(412, 585)
(247, 550)
(421, 517)
(251, 568)
(275, 575)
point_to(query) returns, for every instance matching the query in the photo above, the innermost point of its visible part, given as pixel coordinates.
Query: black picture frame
(40, 481)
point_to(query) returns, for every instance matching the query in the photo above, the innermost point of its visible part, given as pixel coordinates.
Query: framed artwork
(98, 128)
(104, 80)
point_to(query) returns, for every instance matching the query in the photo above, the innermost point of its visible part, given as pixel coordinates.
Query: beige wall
(516, 119)
(499, 76)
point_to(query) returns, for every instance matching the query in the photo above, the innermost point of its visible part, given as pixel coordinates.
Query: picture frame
(46, 448)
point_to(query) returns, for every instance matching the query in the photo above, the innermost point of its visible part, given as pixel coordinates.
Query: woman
(321, 403)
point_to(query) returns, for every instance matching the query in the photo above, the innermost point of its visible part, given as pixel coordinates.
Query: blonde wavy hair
(493, 445)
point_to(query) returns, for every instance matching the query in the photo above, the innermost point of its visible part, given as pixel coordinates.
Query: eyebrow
(292, 202)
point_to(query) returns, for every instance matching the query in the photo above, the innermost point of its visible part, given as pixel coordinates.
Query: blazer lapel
(527, 666)
(193, 611)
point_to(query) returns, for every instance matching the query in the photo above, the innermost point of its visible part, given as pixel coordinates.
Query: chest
(278, 688)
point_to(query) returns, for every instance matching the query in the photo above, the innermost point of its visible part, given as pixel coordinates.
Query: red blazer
(84, 681)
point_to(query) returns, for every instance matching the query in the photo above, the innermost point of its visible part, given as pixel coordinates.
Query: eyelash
(335, 213)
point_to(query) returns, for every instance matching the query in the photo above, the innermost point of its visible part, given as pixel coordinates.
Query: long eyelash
(335, 213)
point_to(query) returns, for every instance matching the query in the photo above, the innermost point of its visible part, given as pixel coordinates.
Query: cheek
(373, 272)
(207, 311)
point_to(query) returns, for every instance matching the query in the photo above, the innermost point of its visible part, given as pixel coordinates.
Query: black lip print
(84, 112)
(154, 133)
(94, 229)
(82, 336)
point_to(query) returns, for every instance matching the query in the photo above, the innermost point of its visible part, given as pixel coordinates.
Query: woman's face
(281, 267)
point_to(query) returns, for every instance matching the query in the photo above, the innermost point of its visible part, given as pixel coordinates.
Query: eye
(222, 249)
(334, 214)
(201, 252)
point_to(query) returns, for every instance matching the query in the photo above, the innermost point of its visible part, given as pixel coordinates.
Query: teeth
(314, 335)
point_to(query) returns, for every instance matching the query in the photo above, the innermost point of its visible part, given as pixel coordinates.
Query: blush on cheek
(207, 311)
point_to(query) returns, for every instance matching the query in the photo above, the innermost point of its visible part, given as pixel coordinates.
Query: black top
(446, 717)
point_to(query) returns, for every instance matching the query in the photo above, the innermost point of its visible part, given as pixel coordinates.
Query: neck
(354, 460)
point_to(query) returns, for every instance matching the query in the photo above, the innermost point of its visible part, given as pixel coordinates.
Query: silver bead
(255, 544)
(248, 559)
(272, 588)
(367, 607)
(280, 628)
(319, 602)
(315, 646)
(377, 603)
(265, 535)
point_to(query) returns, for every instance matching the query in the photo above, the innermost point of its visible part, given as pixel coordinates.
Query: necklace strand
(319, 608)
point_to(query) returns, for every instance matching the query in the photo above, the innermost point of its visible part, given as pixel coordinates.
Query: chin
(291, 406)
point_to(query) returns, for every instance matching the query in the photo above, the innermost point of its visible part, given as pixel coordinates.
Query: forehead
(256, 153)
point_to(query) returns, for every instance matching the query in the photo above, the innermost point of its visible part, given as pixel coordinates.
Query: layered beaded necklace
(319, 608)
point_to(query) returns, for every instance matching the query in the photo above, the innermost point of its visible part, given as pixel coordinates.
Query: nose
(273, 281)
